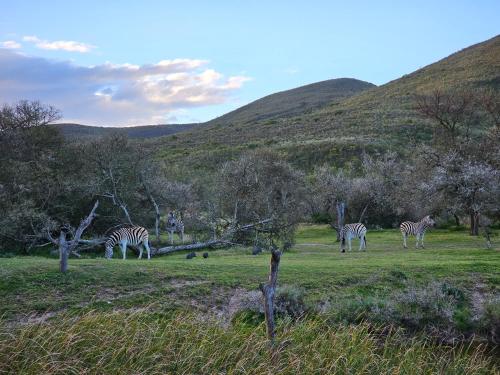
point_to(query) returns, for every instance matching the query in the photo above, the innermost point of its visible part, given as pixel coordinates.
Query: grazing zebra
(174, 225)
(131, 236)
(350, 231)
(416, 229)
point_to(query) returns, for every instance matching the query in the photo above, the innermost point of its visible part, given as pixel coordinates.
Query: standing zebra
(174, 225)
(416, 229)
(131, 236)
(350, 231)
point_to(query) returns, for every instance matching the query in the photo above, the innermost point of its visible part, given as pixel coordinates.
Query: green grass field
(450, 288)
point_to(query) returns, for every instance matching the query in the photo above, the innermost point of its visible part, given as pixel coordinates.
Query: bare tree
(26, 114)
(452, 111)
(66, 247)
(468, 186)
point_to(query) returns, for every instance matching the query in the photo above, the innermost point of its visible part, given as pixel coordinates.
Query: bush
(290, 302)
(489, 323)
(433, 304)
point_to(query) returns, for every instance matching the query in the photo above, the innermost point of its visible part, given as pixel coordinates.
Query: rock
(256, 250)
(191, 255)
(205, 255)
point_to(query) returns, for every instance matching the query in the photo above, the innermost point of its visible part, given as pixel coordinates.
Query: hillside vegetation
(296, 101)
(376, 119)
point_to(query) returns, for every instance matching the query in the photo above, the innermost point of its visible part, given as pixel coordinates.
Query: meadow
(384, 310)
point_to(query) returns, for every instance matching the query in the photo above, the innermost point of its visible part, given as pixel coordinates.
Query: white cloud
(11, 44)
(292, 70)
(64, 45)
(115, 94)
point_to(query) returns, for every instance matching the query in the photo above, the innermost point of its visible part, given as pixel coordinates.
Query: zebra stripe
(416, 229)
(350, 231)
(128, 236)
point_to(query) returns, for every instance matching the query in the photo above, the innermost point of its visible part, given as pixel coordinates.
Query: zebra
(132, 236)
(417, 229)
(350, 231)
(174, 225)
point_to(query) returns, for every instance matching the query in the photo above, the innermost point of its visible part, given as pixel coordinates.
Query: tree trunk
(269, 291)
(125, 211)
(340, 218)
(474, 223)
(155, 207)
(362, 216)
(63, 252)
(457, 220)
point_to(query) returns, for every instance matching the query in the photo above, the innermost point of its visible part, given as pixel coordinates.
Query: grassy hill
(296, 101)
(375, 119)
(147, 131)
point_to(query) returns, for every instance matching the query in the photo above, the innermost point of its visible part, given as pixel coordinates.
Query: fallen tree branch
(192, 246)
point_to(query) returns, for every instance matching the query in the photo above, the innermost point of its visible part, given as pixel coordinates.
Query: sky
(123, 63)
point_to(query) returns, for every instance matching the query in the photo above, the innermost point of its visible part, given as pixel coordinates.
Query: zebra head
(171, 221)
(428, 221)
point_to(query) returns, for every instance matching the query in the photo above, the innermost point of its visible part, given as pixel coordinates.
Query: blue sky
(216, 55)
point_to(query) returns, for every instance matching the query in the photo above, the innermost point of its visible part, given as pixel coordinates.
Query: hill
(376, 119)
(148, 131)
(296, 101)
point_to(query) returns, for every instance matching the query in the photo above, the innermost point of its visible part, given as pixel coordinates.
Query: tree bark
(362, 216)
(269, 291)
(155, 207)
(340, 218)
(191, 246)
(474, 223)
(63, 252)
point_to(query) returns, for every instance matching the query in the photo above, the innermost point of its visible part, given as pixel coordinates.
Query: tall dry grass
(146, 343)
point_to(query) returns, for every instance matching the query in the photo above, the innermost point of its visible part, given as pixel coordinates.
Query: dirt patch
(103, 295)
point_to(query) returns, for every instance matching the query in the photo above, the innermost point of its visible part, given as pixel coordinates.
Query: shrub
(290, 302)
(489, 323)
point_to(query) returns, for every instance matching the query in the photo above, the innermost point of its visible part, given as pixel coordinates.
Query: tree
(66, 247)
(452, 111)
(469, 186)
(26, 115)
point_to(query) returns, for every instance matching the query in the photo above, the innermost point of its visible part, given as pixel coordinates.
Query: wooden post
(268, 291)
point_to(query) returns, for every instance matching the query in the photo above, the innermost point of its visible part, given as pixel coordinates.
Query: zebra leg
(182, 235)
(140, 252)
(349, 241)
(146, 245)
(360, 243)
(171, 237)
(124, 249)
(418, 239)
(404, 241)
(422, 240)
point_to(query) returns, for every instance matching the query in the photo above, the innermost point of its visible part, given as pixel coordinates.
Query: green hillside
(296, 101)
(376, 119)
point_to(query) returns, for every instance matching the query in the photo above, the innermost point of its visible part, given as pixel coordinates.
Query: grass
(383, 286)
(135, 343)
